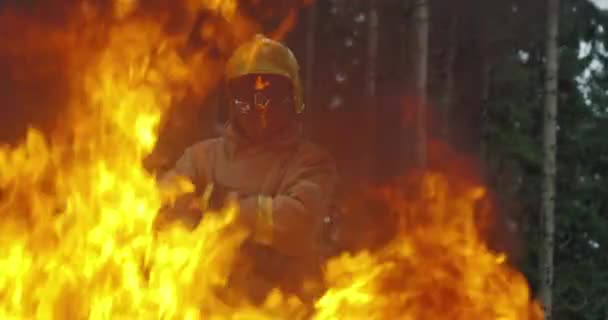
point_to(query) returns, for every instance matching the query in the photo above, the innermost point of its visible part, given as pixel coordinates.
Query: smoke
(44, 45)
(34, 59)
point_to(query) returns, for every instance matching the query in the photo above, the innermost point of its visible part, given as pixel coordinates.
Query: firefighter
(283, 184)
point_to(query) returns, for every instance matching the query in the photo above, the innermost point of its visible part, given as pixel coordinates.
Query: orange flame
(437, 267)
(77, 213)
(260, 84)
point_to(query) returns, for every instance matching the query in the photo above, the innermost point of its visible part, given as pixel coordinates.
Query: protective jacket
(295, 176)
(285, 184)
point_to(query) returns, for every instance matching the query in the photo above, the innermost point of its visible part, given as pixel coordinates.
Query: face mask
(261, 105)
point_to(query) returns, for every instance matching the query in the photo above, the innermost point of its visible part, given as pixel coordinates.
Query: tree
(421, 72)
(549, 163)
(372, 50)
(311, 35)
(448, 92)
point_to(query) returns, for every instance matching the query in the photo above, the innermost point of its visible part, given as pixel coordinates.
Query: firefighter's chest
(250, 174)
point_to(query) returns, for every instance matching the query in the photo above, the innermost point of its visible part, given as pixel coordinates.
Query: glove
(217, 197)
(185, 209)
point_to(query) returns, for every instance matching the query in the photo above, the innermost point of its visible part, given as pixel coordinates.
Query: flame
(437, 267)
(77, 211)
(260, 84)
(77, 214)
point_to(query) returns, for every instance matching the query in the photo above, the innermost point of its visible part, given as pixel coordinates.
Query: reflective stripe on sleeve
(264, 221)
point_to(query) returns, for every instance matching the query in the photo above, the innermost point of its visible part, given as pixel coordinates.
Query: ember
(78, 211)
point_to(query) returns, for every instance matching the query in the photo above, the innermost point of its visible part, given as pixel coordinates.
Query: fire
(77, 213)
(78, 210)
(437, 267)
(260, 84)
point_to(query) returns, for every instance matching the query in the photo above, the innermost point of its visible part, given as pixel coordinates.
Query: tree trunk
(311, 35)
(372, 51)
(549, 165)
(486, 81)
(422, 44)
(448, 90)
(371, 84)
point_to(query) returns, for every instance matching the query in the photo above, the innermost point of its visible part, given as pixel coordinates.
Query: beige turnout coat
(298, 177)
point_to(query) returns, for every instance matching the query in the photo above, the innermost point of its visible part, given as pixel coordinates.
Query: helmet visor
(262, 105)
(260, 92)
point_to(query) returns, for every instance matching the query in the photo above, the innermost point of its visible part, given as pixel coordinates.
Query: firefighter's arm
(185, 168)
(179, 185)
(288, 221)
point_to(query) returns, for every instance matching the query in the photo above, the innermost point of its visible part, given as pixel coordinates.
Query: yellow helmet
(266, 56)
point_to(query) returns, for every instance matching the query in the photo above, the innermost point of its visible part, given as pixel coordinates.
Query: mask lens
(261, 102)
(241, 106)
(260, 93)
